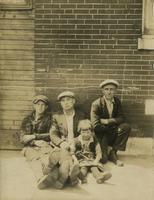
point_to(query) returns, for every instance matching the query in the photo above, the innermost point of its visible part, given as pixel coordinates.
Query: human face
(67, 103)
(40, 107)
(109, 91)
(86, 133)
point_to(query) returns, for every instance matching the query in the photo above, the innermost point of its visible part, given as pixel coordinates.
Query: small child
(88, 153)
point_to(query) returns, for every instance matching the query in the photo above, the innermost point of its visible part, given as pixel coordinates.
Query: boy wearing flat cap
(108, 121)
(35, 136)
(35, 127)
(62, 134)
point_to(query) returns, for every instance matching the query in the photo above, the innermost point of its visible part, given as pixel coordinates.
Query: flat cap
(109, 81)
(65, 94)
(41, 98)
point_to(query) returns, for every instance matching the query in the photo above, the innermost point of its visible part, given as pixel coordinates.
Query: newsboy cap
(109, 81)
(65, 94)
(41, 98)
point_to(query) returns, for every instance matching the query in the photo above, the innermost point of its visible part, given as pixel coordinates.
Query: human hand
(65, 145)
(75, 160)
(28, 138)
(104, 121)
(95, 162)
(40, 143)
(111, 121)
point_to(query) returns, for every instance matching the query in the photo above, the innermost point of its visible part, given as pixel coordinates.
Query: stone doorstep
(139, 146)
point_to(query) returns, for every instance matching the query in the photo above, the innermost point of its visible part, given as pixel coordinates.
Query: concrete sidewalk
(133, 181)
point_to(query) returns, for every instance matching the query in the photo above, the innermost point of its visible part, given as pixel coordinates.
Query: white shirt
(69, 121)
(109, 104)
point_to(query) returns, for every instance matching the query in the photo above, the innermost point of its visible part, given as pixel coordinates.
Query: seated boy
(88, 153)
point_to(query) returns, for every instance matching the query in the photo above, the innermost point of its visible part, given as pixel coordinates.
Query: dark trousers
(114, 136)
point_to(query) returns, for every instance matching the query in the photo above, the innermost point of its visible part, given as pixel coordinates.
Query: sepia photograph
(76, 99)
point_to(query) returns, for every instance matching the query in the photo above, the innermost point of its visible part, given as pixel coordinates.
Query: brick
(100, 26)
(93, 11)
(84, 26)
(84, 16)
(68, 11)
(113, 21)
(91, 42)
(67, 26)
(76, 21)
(66, 6)
(67, 16)
(83, 56)
(101, 16)
(76, 1)
(81, 11)
(75, 41)
(99, 6)
(59, 21)
(118, 6)
(83, 6)
(43, 1)
(43, 21)
(96, 46)
(51, 6)
(51, 16)
(58, 11)
(106, 11)
(59, 1)
(83, 36)
(92, 21)
(99, 1)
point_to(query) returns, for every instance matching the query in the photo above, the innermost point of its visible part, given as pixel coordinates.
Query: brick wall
(79, 43)
(16, 72)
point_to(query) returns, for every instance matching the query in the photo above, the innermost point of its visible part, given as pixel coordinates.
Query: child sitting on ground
(88, 154)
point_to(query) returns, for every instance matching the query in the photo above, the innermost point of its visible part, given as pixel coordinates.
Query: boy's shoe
(84, 181)
(114, 158)
(58, 185)
(74, 182)
(44, 182)
(48, 179)
(46, 170)
(73, 175)
(74, 172)
(103, 177)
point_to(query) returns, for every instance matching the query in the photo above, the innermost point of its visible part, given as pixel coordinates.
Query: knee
(99, 131)
(64, 168)
(125, 127)
(65, 156)
(104, 159)
(54, 157)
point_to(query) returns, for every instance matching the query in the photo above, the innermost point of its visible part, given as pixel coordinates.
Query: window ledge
(146, 42)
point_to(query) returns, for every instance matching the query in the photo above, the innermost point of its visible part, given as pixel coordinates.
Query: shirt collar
(69, 115)
(113, 101)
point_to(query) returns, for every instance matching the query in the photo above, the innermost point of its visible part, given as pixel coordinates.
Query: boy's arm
(98, 153)
(55, 134)
(26, 136)
(73, 150)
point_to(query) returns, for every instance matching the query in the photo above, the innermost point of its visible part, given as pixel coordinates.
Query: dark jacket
(40, 127)
(59, 131)
(99, 111)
